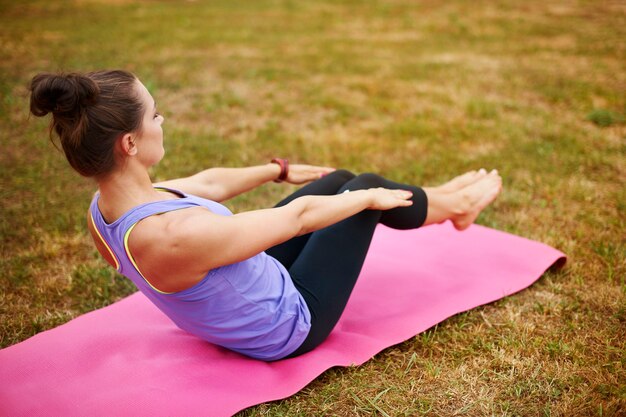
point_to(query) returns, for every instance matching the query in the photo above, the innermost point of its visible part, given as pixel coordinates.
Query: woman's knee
(331, 183)
(365, 181)
(343, 174)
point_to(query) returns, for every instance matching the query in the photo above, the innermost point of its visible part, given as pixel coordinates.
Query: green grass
(417, 91)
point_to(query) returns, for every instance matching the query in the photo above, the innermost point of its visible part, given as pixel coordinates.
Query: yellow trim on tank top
(132, 260)
(170, 190)
(106, 245)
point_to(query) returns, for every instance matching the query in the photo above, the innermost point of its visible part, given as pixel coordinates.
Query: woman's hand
(385, 199)
(299, 174)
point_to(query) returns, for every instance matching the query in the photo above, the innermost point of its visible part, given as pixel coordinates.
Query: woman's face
(149, 140)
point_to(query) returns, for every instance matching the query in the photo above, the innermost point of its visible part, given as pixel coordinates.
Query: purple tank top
(251, 307)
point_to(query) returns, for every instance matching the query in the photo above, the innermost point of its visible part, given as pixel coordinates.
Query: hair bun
(62, 94)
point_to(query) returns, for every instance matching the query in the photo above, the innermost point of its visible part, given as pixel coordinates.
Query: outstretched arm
(220, 184)
(175, 251)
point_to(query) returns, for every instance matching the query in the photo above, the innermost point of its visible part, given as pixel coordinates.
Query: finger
(324, 170)
(405, 203)
(404, 194)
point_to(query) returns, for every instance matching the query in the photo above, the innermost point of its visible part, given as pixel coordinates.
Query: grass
(417, 91)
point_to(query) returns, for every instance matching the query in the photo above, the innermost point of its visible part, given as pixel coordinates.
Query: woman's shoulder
(156, 244)
(160, 228)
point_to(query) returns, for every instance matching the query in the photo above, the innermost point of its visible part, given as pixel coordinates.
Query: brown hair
(89, 113)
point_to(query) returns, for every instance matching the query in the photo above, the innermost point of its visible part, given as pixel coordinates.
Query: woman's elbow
(295, 217)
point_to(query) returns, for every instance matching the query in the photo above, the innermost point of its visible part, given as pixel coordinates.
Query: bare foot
(475, 197)
(462, 181)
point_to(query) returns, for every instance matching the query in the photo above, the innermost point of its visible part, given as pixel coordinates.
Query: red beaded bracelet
(284, 168)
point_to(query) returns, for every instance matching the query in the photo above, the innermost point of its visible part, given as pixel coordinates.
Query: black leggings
(324, 265)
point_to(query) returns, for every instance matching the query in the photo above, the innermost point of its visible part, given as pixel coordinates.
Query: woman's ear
(128, 145)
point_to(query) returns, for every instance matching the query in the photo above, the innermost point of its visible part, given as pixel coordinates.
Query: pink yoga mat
(128, 359)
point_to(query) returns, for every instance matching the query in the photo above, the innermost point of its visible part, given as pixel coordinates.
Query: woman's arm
(174, 246)
(220, 184)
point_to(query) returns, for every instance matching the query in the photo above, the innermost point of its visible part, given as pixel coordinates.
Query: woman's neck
(124, 189)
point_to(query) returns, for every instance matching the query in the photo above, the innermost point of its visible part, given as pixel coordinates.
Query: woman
(269, 283)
